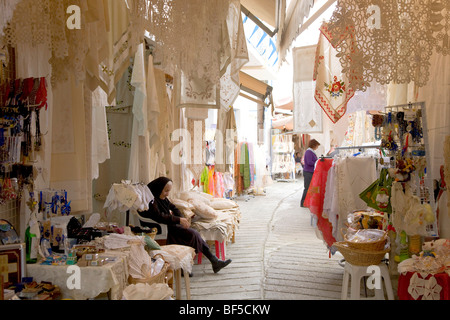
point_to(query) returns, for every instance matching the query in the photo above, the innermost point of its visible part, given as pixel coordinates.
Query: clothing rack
(360, 148)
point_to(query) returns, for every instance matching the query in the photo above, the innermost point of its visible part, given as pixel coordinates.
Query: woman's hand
(184, 223)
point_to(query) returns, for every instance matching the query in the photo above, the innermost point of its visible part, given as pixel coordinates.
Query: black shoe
(219, 264)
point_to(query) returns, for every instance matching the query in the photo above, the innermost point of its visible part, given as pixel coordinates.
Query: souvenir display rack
(283, 165)
(401, 124)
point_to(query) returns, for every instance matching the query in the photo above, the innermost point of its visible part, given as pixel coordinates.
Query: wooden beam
(315, 16)
(265, 10)
(258, 22)
(260, 102)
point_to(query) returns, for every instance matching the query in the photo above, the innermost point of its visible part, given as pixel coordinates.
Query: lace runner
(389, 41)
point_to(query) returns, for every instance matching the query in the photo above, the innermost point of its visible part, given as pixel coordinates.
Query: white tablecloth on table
(111, 277)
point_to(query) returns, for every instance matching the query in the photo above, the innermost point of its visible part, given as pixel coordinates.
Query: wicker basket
(359, 257)
(161, 277)
(368, 246)
(153, 233)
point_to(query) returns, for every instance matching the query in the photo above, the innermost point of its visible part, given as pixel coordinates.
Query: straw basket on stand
(360, 257)
(364, 252)
(376, 245)
(161, 277)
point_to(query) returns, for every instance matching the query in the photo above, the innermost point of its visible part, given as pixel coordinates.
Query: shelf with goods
(283, 162)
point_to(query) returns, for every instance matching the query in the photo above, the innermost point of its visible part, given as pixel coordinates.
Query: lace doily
(428, 289)
(392, 44)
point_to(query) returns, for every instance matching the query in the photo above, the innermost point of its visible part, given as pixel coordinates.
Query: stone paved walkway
(276, 255)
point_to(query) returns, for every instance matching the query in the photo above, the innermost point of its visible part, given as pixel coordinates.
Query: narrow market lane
(276, 255)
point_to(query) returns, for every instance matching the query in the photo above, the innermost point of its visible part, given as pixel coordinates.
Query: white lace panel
(74, 51)
(203, 45)
(188, 34)
(44, 22)
(6, 12)
(389, 41)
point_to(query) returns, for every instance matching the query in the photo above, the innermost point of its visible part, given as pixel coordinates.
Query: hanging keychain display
(20, 105)
(404, 140)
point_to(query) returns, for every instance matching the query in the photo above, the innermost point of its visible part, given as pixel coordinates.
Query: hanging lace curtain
(237, 56)
(6, 12)
(96, 53)
(389, 41)
(203, 44)
(188, 35)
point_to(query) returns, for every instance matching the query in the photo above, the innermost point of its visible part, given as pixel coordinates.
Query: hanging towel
(332, 86)
(244, 166)
(152, 103)
(100, 141)
(139, 166)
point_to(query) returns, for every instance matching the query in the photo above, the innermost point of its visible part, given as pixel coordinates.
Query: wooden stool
(177, 256)
(177, 284)
(356, 273)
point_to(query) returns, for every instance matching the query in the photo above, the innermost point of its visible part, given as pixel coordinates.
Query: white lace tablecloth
(178, 256)
(111, 277)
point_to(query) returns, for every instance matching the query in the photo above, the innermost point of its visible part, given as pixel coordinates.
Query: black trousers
(307, 176)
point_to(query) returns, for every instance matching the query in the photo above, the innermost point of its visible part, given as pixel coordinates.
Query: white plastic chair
(163, 234)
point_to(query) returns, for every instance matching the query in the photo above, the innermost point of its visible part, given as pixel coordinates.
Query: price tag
(410, 115)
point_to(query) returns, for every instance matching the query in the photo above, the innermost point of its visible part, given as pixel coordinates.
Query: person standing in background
(310, 159)
(298, 163)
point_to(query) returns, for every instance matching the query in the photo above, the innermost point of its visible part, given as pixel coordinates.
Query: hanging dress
(315, 199)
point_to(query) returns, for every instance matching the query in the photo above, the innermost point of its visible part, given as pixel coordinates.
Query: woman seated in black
(179, 232)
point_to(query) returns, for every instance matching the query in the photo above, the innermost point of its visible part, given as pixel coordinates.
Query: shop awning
(285, 123)
(285, 104)
(254, 89)
(253, 85)
(288, 18)
(265, 10)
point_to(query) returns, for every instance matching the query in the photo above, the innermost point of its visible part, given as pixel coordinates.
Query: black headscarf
(157, 187)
